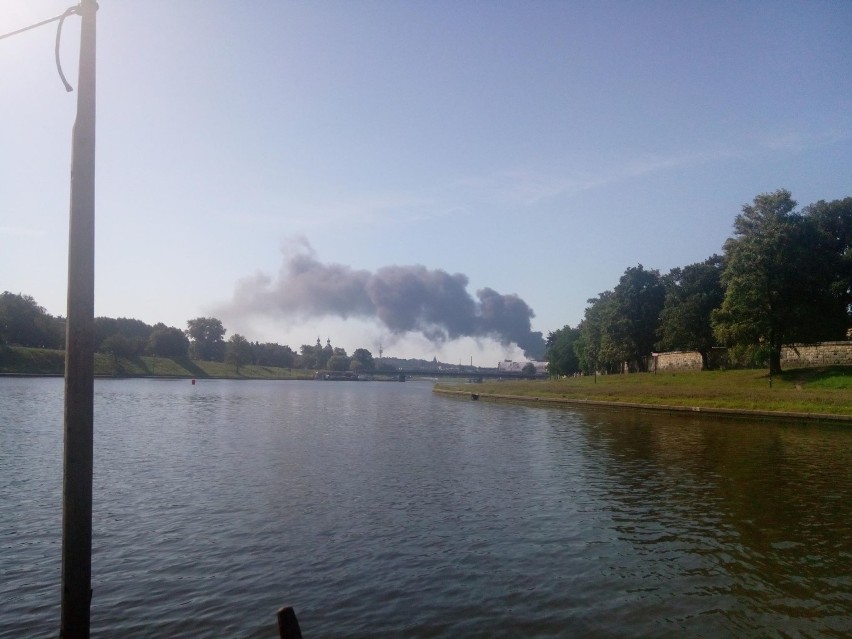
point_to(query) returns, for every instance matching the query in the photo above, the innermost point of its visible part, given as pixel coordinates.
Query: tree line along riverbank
(826, 390)
(817, 391)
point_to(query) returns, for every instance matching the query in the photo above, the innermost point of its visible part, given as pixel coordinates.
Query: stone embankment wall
(688, 360)
(810, 355)
(792, 356)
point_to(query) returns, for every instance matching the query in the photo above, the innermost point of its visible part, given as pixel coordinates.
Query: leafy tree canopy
(167, 341)
(272, 354)
(24, 323)
(238, 351)
(338, 363)
(638, 300)
(120, 346)
(133, 330)
(594, 347)
(692, 293)
(362, 359)
(206, 334)
(310, 356)
(561, 355)
(833, 221)
(778, 280)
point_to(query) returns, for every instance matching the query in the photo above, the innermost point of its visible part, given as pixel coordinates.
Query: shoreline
(692, 410)
(240, 378)
(166, 377)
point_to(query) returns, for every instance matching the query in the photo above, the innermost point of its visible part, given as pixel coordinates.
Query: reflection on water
(380, 510)
(775, 496)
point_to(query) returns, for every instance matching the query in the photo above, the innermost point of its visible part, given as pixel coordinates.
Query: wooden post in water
(288, 625)
(79, 351)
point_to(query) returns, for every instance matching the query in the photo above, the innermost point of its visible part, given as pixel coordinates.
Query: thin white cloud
(522, 188)
(797, 140)
(527, 188)
(359, 210)
(508, 188)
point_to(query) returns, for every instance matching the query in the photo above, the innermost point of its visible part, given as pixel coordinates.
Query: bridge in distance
(485, 373)
(405, 373)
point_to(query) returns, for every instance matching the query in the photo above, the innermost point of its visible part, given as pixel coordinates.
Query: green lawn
(823, 390)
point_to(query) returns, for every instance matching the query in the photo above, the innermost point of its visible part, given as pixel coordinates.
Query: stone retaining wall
(811, 355)
(678, 361)
(792, 356)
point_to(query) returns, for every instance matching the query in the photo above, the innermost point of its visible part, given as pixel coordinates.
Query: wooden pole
(288, 625)
(79, 351)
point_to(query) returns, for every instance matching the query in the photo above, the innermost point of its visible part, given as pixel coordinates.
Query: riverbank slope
(16, 360)
(819, 391)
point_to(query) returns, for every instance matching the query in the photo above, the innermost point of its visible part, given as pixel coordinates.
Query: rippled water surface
(381, 510)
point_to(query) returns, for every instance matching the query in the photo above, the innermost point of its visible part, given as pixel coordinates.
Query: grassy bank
(39, 361)
(823, 390)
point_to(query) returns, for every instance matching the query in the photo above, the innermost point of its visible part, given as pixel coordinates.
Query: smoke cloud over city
(404, 299)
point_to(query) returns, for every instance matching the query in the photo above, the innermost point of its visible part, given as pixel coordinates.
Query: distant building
(516, 367)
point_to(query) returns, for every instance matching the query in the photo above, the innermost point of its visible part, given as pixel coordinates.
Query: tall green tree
(594, 347)
(24, 323)
(308, 355)
(119, 346)
(238, 351)
(272, 354)
(338, 363)
(833, 221)
(692, 294)
(638, 301)
(135, 331)
(207, 338)
(776, 285)
(362, 360)
(560, 354)
(167, 341)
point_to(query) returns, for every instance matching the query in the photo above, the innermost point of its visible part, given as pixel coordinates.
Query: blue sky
(538, 148)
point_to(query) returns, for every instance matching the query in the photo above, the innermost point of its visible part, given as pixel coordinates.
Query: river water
(382, 510)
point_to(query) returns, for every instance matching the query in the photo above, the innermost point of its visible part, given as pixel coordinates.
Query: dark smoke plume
(406, 299)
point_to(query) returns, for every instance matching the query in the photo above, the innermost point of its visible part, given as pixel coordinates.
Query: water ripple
(379, 510)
